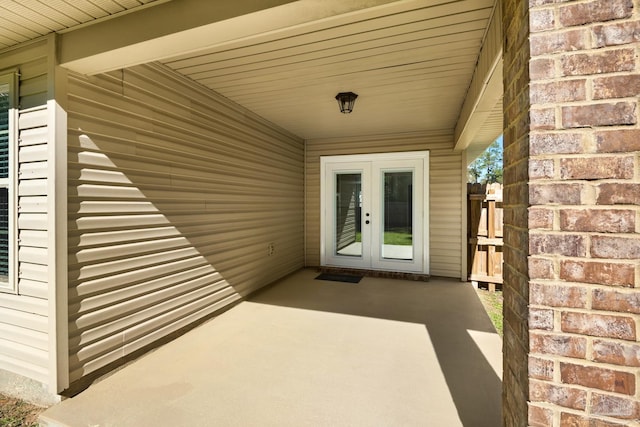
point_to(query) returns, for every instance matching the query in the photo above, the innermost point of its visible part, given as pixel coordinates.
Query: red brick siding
(604, 273)
(594, 11)
(597, 167)
(617, 87)
(619, 141)
(595, 324)
(558, 345)
(560, 395)
(616, 353)
(556, 143)
(581, 64)
(541, 369)
(583, 188)
(596, 377)
(556, 42)
(618, 194)
(617, 33)
(598, 220)
(576, 420)
(615, 406)
(601, 114)
(540, 417)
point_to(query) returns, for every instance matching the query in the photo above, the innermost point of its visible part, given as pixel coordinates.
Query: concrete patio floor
(306, 352)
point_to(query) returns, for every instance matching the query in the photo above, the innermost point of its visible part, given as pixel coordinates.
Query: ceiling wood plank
(336, 46)
(364, 21)
(355, 63)
(20, 27)
(86, 6)
(70, 10)
(109, 6)
(37, 21)
(408, 83)
(462, 58)
(326, 39)
(44, 9)
(130, 4)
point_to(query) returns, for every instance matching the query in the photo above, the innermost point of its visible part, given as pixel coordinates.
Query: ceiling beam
(178, 27)
(486, 87)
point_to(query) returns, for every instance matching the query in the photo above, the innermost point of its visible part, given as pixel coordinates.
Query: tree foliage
(487, 168)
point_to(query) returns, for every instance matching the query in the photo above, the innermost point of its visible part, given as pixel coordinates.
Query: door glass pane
(348, 237)
(397, 213)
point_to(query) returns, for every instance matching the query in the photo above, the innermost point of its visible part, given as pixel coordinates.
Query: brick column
(571, 108)
(515, 202)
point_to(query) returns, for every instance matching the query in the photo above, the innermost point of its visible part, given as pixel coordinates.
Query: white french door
(374, 212)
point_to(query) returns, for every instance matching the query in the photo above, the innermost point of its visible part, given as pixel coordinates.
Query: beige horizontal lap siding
(445, 188)
(175, 195)
(24, 342)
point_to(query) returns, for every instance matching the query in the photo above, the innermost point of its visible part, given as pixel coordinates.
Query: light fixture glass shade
(346, 101)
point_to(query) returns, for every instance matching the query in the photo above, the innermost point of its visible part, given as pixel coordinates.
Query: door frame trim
(352, 158)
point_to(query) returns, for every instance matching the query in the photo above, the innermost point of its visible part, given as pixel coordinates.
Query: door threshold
(376, 273)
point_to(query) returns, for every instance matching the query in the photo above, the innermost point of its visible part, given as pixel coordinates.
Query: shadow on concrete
(467, 346)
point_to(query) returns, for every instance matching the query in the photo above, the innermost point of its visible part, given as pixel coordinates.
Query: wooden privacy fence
(484, 231)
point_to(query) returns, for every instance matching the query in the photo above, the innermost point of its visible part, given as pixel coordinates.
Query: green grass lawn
(392, 238)
(397, 238)
(17, 413)
(492, 302)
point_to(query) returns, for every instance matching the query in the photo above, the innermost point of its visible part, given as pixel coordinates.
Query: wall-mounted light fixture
(346, 101)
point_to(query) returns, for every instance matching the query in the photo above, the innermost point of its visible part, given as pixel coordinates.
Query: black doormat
(347, 278)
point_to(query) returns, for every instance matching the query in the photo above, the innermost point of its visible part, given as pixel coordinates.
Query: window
(8, 137)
